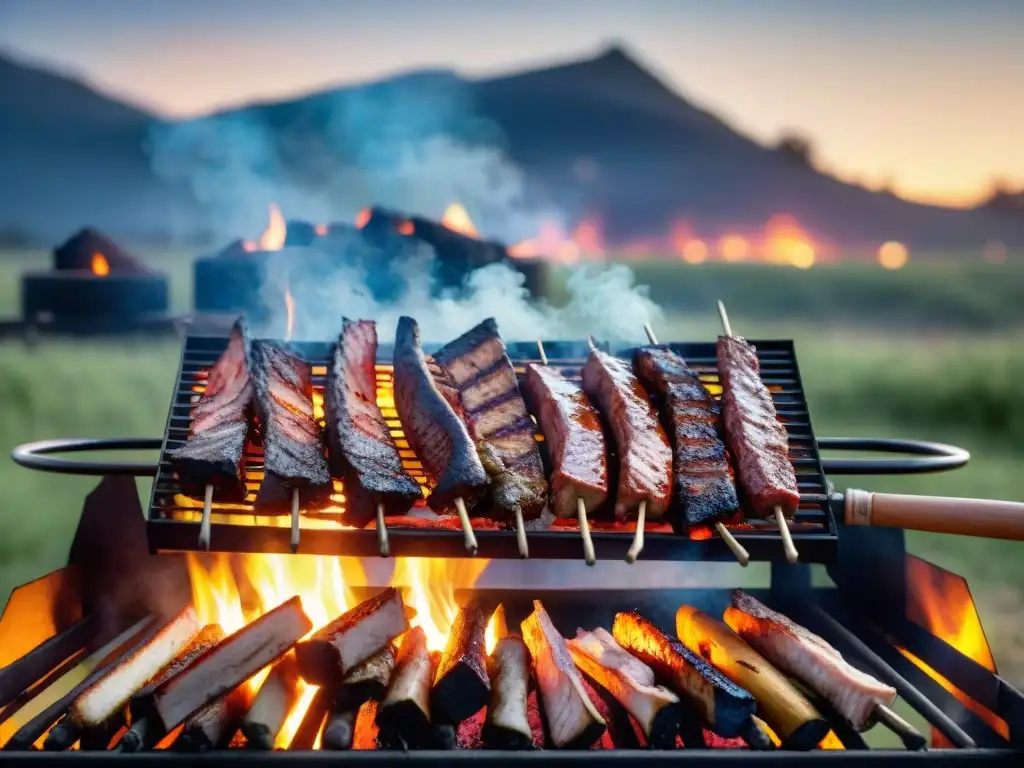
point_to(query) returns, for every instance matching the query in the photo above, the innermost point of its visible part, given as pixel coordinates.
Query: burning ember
(234, 591)
(99, 265)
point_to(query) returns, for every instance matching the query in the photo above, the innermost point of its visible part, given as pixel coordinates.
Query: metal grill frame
(779, 369)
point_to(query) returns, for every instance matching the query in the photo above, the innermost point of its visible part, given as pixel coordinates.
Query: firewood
(274, 701)
(405, 710)
(461, 685)
(335, 650)
(213, 726)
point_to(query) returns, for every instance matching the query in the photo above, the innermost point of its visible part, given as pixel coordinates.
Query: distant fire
(274, 235)
(456, 218)
(99, 265)
(893, 255)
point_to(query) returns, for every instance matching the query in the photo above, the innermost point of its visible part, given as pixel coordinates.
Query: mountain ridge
(656, 156)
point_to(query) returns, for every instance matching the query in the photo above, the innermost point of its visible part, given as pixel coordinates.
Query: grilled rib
(702, 478)
(434, 430)
(572, 718)
(759, 443)
(645, 471)
(724, 707)
(574, 437)
(805, 656)
(214, 453)
(362, 451)
(497, 419)
(293, 454)
(655, 708)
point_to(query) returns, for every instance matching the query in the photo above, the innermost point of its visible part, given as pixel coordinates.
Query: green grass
(956, 383)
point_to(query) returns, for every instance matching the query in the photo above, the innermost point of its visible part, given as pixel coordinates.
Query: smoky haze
(413, 145)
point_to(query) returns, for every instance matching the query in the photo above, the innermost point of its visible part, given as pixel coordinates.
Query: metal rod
(912, 738)
(908, 692)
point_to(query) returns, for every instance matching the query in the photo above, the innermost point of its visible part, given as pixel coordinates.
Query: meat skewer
(759, 443)
(576, 445)
(719, 489)
(479, 368)
(801, 654)
(645, 473)
(436, 433)
(213, 457)
(293, 454)
(362, 451)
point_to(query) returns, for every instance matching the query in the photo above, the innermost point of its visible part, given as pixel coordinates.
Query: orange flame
(324, 584)
(363, 218)
(406, 227)
(99, 265)
(274, 235)
(941, 603)
(787, 243)
(457, 219)
(321, 229)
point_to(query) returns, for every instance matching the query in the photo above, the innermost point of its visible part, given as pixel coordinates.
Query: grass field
(956, 382)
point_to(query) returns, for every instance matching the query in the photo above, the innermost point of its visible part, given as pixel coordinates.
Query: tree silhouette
(797, 148)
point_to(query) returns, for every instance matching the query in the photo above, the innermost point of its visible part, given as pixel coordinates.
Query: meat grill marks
(434, 430)
(362, 451)
(575, 440)
(806, 657)
(214, 454)
(293, 453)
(498, 421)
(645, 458)
(702, 478)
(759, 444)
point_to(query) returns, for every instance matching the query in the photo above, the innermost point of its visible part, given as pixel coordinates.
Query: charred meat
(806, 657)
(702, 478)
(759, 443)
(214, 453)
(293, 453)
(724, 707)
(572, 719)
(498, 421)
(655, 709)
(576, 444)
(362, 451)
(434, 430)
(645, 458)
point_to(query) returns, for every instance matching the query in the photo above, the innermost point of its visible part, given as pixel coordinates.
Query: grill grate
(174, 518)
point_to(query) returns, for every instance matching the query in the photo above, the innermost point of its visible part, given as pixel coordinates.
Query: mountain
(601, 137)
(72, 157)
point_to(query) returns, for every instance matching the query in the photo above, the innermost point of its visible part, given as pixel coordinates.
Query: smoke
(601, 300)
(414, 144)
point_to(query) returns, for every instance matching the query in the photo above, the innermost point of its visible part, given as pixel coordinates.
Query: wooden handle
(937, 514)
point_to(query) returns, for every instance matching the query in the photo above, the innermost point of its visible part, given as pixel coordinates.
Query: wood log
(461, 684)
(213, 726)
(144, 732)
(789, 714)
(272, 704)
(367, 681)
(109, 693)
(231, 662)
(508, 725)
(405, 710)
(335, 650)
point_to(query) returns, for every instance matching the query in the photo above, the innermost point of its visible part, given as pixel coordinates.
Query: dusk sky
(927, 94)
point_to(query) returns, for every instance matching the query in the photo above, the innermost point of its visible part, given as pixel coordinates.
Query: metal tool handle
(36, 456)
(983, 518)
(936, 457)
